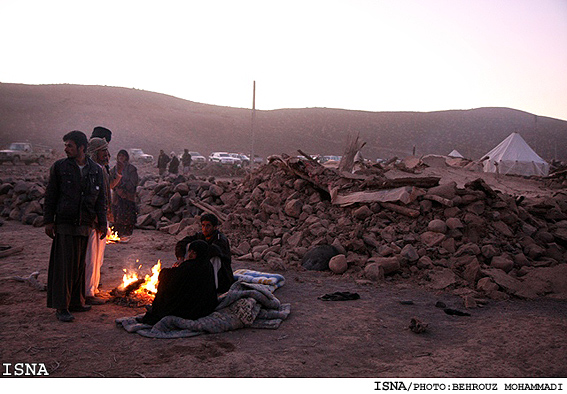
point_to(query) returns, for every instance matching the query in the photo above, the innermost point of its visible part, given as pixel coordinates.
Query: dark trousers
(66, 275)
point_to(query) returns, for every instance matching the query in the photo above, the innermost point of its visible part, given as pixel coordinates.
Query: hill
(152, 121)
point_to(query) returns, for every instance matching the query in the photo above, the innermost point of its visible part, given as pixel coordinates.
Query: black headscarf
(201, 248)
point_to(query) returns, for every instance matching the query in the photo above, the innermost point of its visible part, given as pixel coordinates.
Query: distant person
(74, 204)
(163, 160)
(221, 259)
(97, 150)
(186, 160)
(174, 164)
(125, 177)
(186, 290)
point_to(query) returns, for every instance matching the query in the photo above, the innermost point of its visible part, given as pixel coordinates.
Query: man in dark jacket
(163, 159)
(219, 250)
(74, 198)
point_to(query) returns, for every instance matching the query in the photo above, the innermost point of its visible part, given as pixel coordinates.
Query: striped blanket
(245, 304)
(273, 281)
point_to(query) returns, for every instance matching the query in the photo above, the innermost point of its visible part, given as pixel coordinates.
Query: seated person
(219, 250)
(186, 290)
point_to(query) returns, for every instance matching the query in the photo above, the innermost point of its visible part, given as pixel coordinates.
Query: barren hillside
(153, 121)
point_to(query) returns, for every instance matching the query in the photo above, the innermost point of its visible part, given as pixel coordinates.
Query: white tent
(455, 153)
(514, 156)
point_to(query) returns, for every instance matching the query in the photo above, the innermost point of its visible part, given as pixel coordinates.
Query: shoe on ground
(64, 315)
(125, 239)
(81, 308)
(94, 301)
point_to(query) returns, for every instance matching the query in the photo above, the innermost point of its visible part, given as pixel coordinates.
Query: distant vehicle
(136, 154)
(258, 159)
(245, 160)
(196, 157)
(224, 158)
(24, 152)
(325, 159)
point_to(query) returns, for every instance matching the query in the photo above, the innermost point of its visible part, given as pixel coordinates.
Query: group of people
(173, 161)
(82, 197)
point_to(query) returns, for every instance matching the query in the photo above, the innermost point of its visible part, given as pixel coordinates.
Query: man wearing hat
(97, 150)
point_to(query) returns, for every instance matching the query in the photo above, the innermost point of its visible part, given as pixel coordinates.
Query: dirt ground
(365, 338)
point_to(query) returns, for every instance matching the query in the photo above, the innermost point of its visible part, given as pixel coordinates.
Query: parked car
(24, 152)
(245, 160)
(224, 158)
(136, 154)
(325, 159)
(196, 157)
(258, 159)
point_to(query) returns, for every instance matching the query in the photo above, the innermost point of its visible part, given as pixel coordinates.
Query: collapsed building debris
(473, 240)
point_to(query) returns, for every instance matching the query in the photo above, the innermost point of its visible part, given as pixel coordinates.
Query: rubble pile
(21, 199)
(471, 240)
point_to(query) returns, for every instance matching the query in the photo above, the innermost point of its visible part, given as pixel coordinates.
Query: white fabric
(514, 156)
(93, 262)
(455, 153)
(216, 262)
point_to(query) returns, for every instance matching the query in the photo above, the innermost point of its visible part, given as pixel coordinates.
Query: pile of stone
(474, 240)
(358, 222)
(21, 199)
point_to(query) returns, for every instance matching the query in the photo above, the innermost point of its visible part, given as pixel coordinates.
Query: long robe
(186, 291)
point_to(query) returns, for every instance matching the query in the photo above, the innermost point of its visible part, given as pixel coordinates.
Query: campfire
(112, 236)
(135, 291)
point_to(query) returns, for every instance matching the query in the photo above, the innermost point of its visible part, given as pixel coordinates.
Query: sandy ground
(364, 338)
(368, 337)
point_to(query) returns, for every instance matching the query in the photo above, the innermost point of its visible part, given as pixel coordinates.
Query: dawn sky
(381, 55)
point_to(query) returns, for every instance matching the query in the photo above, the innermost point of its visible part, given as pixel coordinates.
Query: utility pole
(253, 124)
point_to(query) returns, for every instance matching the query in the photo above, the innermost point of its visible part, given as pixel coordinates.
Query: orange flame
(112, 236)
(150, 281)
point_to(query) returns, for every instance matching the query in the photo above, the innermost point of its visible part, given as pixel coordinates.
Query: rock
(447, 191)
(489, 251)
(216, 190)
(502, 228)
(437, 226)
(362, 213)
(502, 262)
(408, 252)
(293, 208)
(454, 223)
(389, 264)
(509, 284)
(317, 258)
(443, 278)
(338, 264)
(486, 285)
(424, 262)
(374, 272)
(431, 238)
(470, 248)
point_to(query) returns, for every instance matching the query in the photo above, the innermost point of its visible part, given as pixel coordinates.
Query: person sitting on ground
(219, 250)
(186, 290)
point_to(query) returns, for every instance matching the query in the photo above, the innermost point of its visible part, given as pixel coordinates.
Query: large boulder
(318, 257)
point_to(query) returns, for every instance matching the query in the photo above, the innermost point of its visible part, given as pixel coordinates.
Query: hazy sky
(375, 55)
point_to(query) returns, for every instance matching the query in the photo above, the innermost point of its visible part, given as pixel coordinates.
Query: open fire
(112, 236)
(136, 291)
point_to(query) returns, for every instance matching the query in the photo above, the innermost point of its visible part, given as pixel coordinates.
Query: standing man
(219, 251)
(97, 150)
(163, 159)
(174, 164)
(186, 160)
(74, 201)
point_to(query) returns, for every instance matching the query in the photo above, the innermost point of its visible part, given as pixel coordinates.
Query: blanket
(243, 305)
(273, 281)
